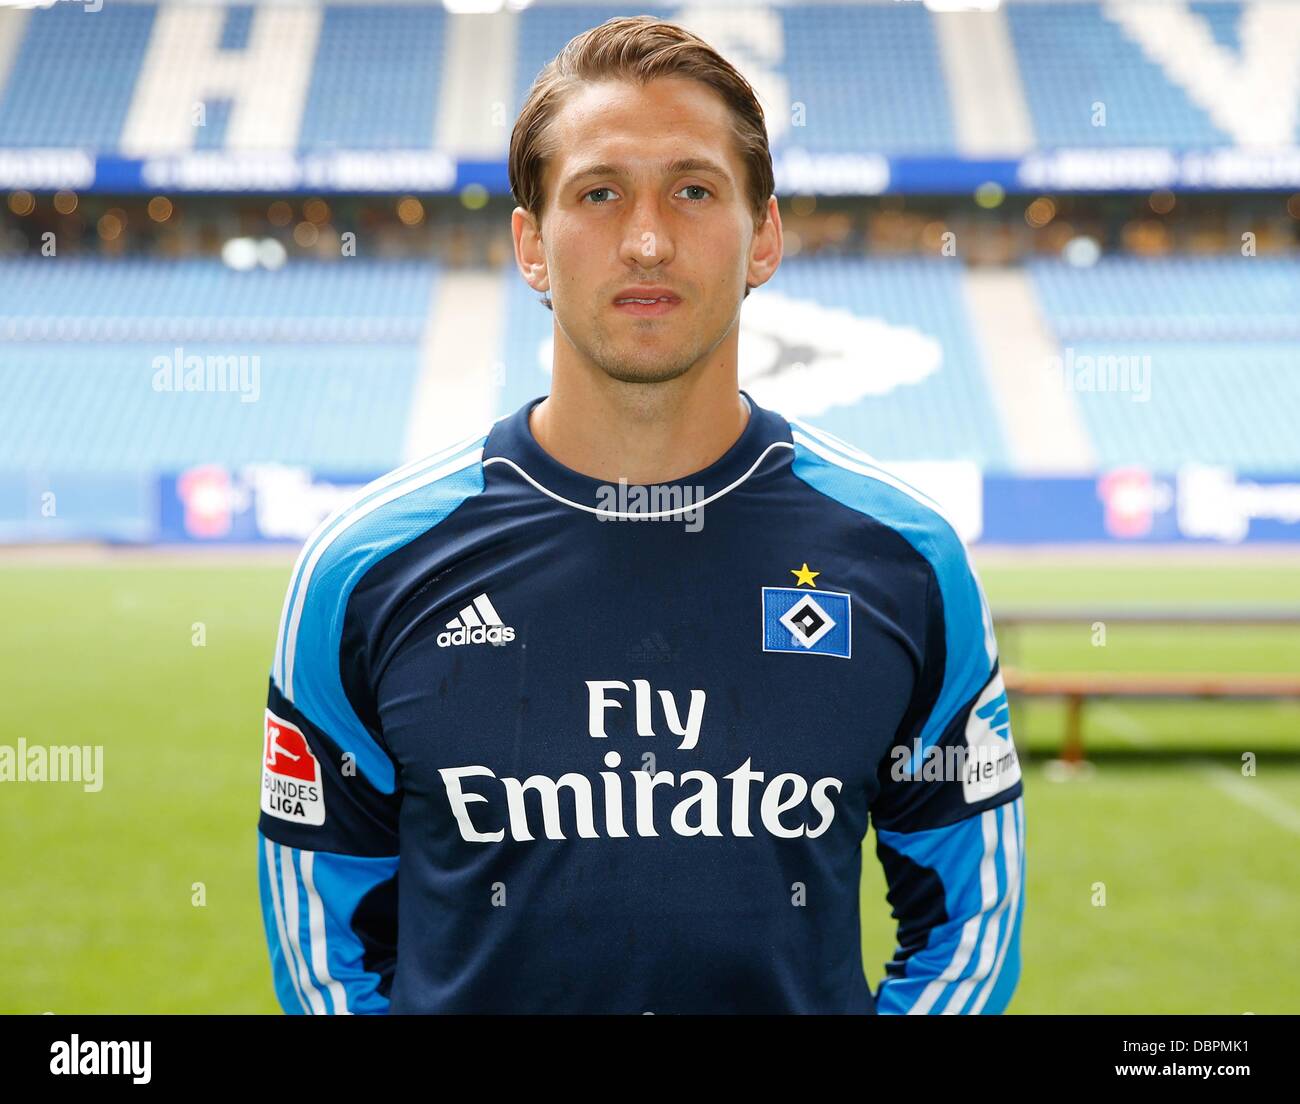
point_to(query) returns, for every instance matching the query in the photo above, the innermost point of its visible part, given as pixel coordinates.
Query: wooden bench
(1077, 687)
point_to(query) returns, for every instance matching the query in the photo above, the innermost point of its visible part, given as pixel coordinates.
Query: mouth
(646, 306)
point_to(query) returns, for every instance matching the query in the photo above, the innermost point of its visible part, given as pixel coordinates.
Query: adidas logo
(652, 649)
(477, 623)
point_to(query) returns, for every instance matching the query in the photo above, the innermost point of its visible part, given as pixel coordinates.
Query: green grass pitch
(1198, 862)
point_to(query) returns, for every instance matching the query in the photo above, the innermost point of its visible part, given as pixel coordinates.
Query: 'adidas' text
(477, 623)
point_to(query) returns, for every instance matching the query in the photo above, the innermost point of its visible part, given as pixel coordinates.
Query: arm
(327, 838)
(958, 895)
(950, 831)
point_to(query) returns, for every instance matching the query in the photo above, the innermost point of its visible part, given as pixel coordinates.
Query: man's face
(645, 191)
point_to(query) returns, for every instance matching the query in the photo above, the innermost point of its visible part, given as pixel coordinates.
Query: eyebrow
(673, 168)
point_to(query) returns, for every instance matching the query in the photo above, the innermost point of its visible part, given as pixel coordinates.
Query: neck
(645, 433)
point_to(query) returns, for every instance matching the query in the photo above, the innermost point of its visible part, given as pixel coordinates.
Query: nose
(647, 241)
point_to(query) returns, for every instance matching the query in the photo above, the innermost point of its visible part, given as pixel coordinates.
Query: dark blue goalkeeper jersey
(536, 743)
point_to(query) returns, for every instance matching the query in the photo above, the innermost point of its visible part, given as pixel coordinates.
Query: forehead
(642, 125)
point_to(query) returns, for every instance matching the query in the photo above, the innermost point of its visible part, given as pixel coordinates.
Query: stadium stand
(1216, 339)
(335, 408)
(73, 77)
(376, 78)
(131, 298)
(867, 77)
(1220, 335)
(1188, 298)
(1073, 56)
(336, 347)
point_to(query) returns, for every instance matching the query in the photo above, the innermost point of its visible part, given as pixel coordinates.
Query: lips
(645, 296)
(646, 308)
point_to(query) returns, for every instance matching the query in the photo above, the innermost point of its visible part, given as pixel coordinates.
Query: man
(590, 709)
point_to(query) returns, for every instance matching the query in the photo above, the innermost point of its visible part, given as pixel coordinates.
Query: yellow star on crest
(804, 576)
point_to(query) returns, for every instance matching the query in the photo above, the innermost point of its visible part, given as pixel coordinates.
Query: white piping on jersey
(836, 451)
(286, 948)
(1008, 843)
(632, 514)
(990, 638)
(393, 477)
(838, 443)
(969, 930)
(289, 886)
(1013, 889)
(461, 462)
(828, 438)
(316, 927)
(989, 944)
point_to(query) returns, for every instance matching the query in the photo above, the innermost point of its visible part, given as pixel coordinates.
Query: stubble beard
(630, 362)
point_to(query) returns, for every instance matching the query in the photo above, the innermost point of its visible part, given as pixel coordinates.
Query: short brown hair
(636, 48)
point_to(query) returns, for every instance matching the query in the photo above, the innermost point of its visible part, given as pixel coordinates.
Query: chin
(625, 373)
(631, 362)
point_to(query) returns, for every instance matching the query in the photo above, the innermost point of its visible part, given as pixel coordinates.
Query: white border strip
(316, 920)
(393, 477)
(286, 951)
(289, 887)
(629, 514)
(993, 929)
(970, 929)
(870, 469)
(1015, 877)
(459, 464)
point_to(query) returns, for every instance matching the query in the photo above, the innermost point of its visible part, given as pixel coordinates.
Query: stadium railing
(1079, 687)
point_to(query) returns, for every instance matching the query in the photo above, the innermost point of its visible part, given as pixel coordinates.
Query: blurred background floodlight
(271, 253)
(240, 254)
(1081, 252)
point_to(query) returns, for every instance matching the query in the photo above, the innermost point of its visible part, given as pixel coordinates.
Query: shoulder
(856, 479)
(376, 520)
(447, 475)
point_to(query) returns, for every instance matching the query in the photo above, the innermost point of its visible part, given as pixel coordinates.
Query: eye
(698, 188)
(594, 191)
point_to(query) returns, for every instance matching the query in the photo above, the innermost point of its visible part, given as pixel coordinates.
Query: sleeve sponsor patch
(991, 762)
(291, 778)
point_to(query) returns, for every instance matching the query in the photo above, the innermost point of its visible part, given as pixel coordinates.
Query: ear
(530, 253)
(766, 249)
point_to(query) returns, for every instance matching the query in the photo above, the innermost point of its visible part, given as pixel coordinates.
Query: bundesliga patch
(291, 782)
(805, 621)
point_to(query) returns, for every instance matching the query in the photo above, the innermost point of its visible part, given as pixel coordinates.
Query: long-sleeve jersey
(536, 742)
